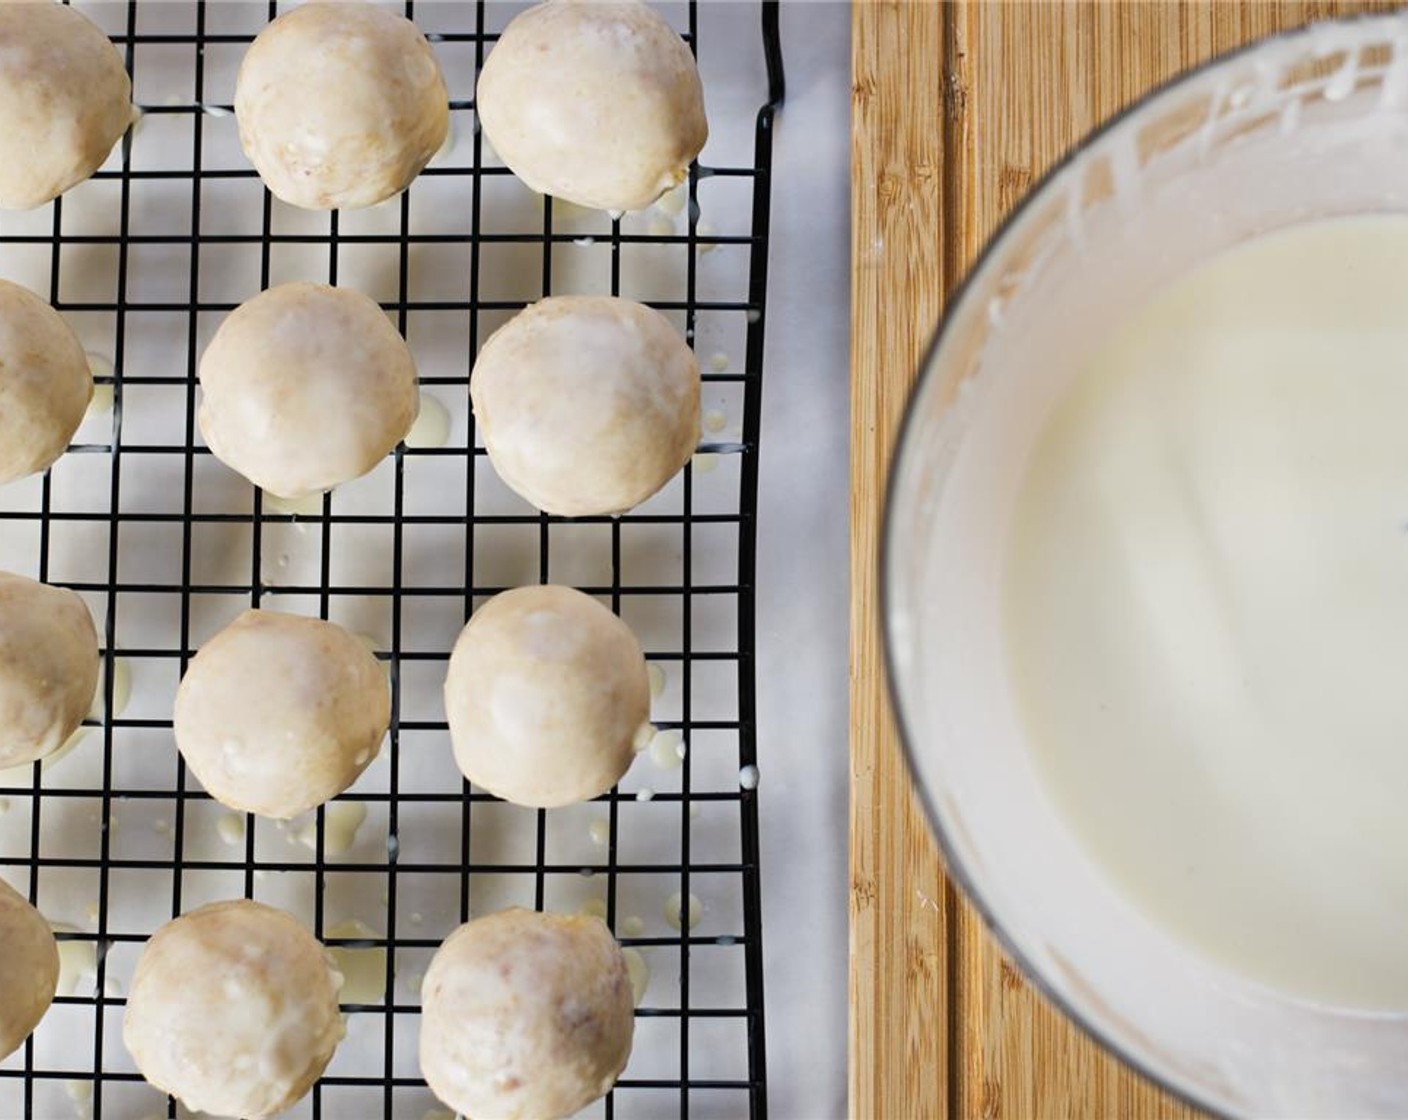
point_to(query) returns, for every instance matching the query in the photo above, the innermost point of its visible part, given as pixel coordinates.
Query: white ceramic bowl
(1311, 124)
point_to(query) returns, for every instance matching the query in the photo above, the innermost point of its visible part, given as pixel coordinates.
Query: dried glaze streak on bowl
(1003, 91)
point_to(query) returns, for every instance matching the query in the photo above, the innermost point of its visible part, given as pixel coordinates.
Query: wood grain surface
(957, 110)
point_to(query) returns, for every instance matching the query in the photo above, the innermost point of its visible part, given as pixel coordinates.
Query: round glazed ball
(233, 1010)
(340, 105)
(599, 103)
(48, 668)
(45, 382)
(65, 100)
(306, 386)
(587, 404)
(525, 1015)
(278, 713)
(29, 969)
(546, 694)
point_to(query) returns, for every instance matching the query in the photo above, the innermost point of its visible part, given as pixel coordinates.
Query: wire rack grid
(112, 837)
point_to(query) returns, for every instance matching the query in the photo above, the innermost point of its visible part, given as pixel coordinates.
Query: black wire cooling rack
(166, 545)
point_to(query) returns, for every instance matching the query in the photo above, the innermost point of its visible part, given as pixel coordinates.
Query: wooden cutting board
(957, 109)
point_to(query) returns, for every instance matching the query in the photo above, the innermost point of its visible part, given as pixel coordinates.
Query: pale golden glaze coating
(526, 1016)
(234, 1010)
(546, 694)
(29, 969)
(587, 404)
(599, 103)
(340, 105)
(45, 382)
(305, 387)
(65, 100)
(48, 667)
(278, 713)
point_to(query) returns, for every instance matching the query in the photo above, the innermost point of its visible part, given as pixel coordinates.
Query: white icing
(681, 917)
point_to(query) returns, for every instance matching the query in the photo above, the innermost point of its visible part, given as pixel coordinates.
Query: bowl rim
(1083, 1019)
